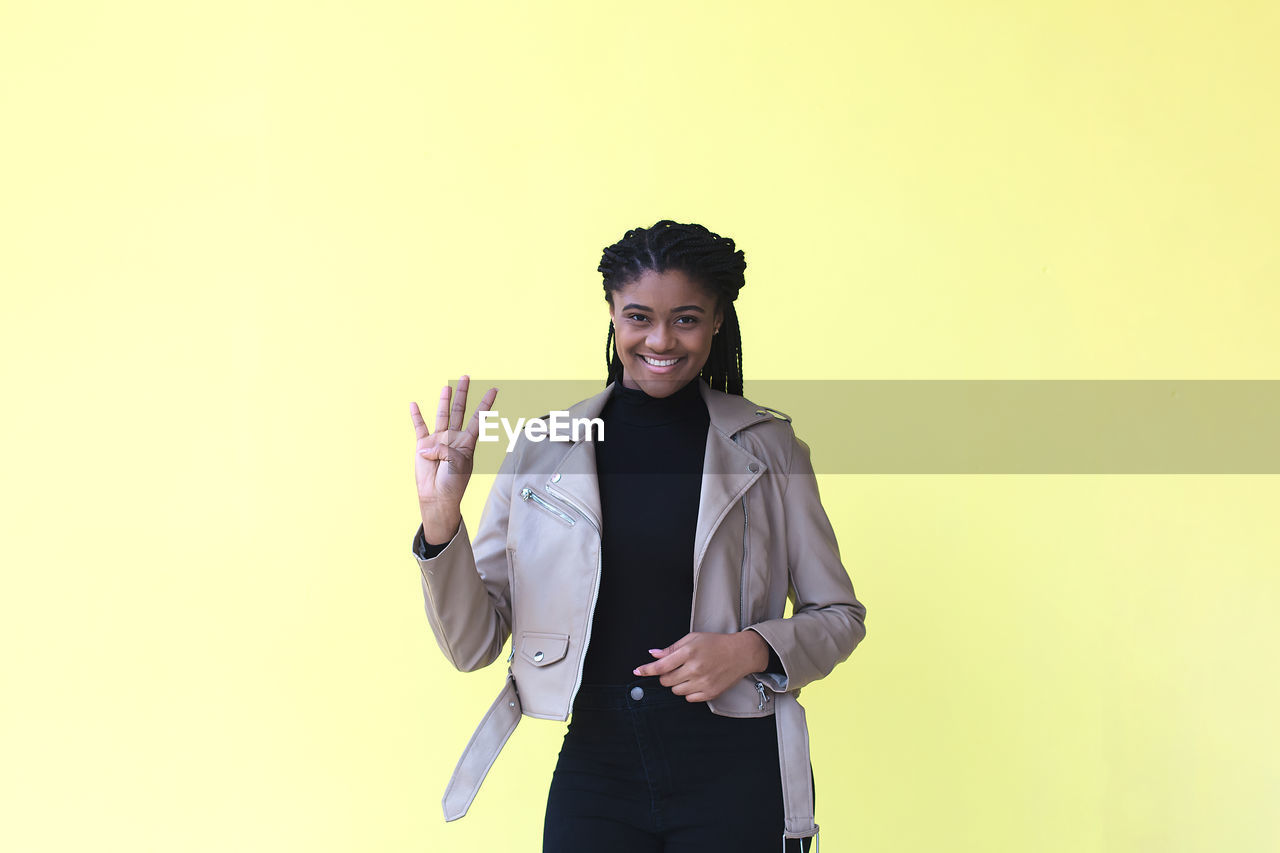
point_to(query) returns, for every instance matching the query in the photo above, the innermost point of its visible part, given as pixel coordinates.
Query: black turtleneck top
(650, 473)
(649, 467)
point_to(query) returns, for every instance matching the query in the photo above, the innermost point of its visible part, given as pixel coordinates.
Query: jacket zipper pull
(529, 494)
(760, 689)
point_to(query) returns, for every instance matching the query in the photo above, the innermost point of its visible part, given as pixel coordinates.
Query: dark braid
(705, 257)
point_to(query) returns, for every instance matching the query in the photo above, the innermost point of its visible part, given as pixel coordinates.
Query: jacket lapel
(728, 469)
(576, 473)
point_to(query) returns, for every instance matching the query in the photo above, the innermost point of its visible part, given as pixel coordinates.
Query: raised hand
(443, 459)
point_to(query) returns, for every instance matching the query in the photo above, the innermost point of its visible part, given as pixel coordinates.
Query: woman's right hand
(443, 459)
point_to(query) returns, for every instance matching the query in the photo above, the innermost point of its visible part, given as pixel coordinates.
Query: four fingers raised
(451, 409)
(458, 410)
(486, 403)
(442, 408)
(419, 425)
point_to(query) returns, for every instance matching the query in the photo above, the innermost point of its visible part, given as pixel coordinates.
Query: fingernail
(635, 671)
(654, 651)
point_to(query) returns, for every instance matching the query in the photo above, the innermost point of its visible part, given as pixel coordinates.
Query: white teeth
(656, 363)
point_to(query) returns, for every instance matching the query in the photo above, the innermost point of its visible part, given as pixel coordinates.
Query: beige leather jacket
(533, 570)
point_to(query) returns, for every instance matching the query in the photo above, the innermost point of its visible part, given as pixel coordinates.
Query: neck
(633, 405)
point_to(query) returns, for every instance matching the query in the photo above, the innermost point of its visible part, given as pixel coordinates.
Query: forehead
(665, 289)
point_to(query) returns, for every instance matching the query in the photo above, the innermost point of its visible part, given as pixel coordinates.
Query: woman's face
(663, 323)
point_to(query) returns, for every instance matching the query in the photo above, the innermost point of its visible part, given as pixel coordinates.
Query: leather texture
(762, 537)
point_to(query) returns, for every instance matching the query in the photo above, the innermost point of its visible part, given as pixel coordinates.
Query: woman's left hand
(702, 665)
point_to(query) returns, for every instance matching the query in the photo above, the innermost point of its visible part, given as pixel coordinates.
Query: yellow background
(237, 238)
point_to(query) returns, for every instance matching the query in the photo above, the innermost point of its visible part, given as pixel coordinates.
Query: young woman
(643, 577)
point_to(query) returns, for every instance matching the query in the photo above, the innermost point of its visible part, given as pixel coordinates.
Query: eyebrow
(675, 310)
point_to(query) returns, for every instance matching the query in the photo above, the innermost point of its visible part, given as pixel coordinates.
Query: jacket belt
(504, 714)
(482, 750)
(793, 762)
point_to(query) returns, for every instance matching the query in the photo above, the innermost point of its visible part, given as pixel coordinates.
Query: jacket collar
(728, 468)
(729, 412)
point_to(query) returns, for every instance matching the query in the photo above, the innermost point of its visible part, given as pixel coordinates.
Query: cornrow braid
(704, 256)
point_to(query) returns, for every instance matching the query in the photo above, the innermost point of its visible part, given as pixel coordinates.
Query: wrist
(439, 525)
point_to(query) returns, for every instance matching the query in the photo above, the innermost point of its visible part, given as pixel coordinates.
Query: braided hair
(707, 258)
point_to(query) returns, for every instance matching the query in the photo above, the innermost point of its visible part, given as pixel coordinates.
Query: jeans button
(637, 693)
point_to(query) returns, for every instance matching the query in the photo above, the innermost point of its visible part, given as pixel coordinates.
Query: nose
(659, 339)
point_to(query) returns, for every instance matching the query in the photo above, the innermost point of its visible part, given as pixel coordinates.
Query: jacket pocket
(542, 649)
(531, 496)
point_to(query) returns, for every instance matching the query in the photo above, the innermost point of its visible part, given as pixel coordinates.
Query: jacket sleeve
(466, 584)
(827, 620)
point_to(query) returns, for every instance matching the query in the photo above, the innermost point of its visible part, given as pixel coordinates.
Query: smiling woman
(670, 288)
(656, 626)
(663, 324)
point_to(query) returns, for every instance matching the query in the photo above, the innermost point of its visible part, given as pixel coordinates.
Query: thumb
(437, 453)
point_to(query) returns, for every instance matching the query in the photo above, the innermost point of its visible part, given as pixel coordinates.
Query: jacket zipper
(742, 582)
(742, 585)
(529, 494)
(595, 589)
(742, 594)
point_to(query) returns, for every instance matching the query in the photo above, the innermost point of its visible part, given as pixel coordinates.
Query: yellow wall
(237, 238)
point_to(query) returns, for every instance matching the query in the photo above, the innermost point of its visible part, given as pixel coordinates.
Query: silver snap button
(753, 467)
(511, 704)
(637, 693)
(537, 656)
(555, 478)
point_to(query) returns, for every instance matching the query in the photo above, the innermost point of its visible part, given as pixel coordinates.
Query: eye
(636, 318)
(692, 320)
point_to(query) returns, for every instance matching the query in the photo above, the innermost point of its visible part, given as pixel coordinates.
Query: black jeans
(650, 772)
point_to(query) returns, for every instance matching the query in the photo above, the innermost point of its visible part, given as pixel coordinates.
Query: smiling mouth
(660, 362)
